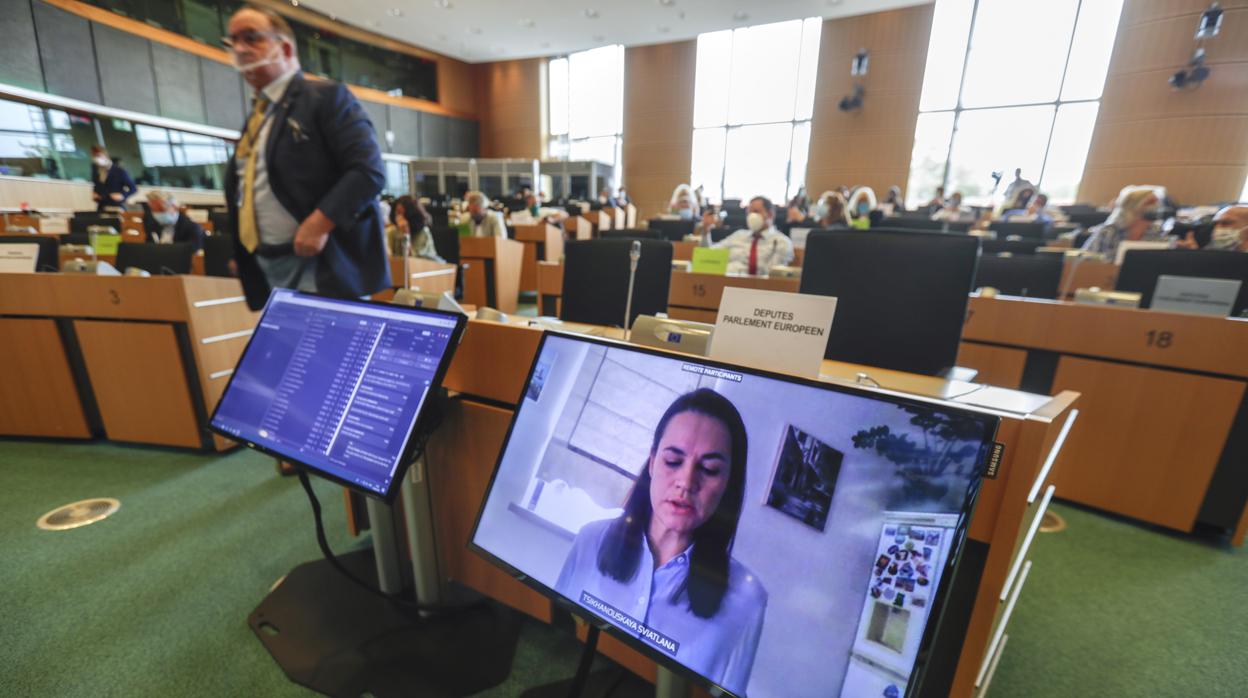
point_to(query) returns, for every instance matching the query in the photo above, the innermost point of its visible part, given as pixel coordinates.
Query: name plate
(1195, 295)
(710, 260)
(19, 258)
(785, 332)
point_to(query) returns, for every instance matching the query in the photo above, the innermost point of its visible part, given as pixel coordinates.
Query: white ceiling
(490, 30)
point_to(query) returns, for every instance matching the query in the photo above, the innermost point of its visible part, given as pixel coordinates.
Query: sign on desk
(710, 260)
(773, 330)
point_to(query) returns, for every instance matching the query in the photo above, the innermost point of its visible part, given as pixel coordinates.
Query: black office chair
(218, 251)
(901, 297)
(446, 241)
(82, 221)
(1030, 276)
(1086, 218)
(155, 259)
(220, 222)
(720, 233)
(1141, 269)
(672, 230)
(48, 258)
(1029, 230)
(911, 223)
(595, 280)
(1014, 247)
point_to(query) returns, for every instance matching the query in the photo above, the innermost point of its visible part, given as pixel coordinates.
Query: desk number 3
(1161, 340)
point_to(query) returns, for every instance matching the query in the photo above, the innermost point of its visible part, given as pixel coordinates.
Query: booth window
(49, 143)
(1008, 85)
(753, 99)
(587, 107)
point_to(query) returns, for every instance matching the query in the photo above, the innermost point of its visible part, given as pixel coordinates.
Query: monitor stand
(333, 636)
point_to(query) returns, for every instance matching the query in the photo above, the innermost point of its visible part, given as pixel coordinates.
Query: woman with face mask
(113, 184)
(684, 204)
(165, 223)
(861, 204)
(1135, 217)
(830, 211)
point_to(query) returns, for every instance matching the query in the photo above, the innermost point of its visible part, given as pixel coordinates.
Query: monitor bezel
(409, 445)
(939, 597)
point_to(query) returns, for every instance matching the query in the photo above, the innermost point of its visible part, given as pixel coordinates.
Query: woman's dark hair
(707, 581)
(413, 211)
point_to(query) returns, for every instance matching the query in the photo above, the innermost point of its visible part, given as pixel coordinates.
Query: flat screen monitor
(156, 258)
(338, 385)
(1142, 268)
(764, 534)
(1029, 276)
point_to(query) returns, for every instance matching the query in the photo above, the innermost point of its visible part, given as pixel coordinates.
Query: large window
(752, 104)
(1010, 84)
(321, 51)
(587, 106)
(50, 143)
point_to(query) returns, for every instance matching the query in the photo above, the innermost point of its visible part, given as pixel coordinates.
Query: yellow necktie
(247, 232)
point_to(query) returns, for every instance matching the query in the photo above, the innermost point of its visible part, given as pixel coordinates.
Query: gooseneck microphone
(634, 256)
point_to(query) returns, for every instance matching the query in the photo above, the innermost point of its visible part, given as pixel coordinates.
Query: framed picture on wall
(804, 478)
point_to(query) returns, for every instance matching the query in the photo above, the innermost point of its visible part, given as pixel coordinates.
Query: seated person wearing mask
(113, 184)
(167, 225)
(1037, 211)
(830, 211)
(409, 221)
(483, 222)
(760, 246)
(683, 204)
(605, 198)
(952, 210)
(1230, 231)
(893, 203)
(861, 204)
(1134, 218)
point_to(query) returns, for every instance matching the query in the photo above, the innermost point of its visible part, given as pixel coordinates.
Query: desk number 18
(1161, 340)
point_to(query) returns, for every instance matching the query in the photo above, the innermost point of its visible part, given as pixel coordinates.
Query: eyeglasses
(249, 37)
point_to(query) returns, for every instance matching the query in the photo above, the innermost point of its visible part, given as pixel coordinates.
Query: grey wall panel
(377, 113)
(406, 124)
(67, 53)
(126, 75)
(223, 95)
(463, 138)
(178, 88)
(434, 135)
(19, 52)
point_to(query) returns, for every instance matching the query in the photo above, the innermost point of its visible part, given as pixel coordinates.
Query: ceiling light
(667, 3)
(545, 44)
(681, 14)
(442, 4)
(441, 37)
(528, 23)
(663, 29)
(599, 38)
(396, 12)
(591, 13)
(474, 30)
(740, 16)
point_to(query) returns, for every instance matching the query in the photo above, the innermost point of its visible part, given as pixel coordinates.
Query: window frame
(559, 146)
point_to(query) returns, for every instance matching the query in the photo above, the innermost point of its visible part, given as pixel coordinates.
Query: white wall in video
(810, 565)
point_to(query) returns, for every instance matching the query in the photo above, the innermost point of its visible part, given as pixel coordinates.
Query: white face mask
(273, 56)
(755, 221)
(165, 217)
(1226, 236)
(821, 211)
(102, 161)
(686, 214)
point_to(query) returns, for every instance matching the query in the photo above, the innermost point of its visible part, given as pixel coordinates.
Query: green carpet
(153, 601)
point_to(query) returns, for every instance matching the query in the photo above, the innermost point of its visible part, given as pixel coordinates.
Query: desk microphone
(634, 256)
(407, 262)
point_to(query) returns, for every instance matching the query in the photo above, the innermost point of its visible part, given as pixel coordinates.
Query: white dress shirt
(491, 225)
(774, 248)
(274, 224)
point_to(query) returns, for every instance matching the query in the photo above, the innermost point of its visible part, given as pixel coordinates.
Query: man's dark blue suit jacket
(322, 153)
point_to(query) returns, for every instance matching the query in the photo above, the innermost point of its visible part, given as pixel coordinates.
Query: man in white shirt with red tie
(758, 247)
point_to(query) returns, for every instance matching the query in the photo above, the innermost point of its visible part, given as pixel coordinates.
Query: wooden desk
(601, 220)
(197, 261)
(578, 228)
(426, 275)
(488, 374)
(133, 359)
(542, 242)
(1163, 434)
(491, 271)
(619, 217)
(549, 287)
(1077, 274)
(682, 250)
(696, 296)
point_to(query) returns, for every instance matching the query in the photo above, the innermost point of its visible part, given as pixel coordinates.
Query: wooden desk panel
(542, 243)
(578, 228)
(79, 295)
(549, 287)
(682, 250)
(427, 275)
(1193, 342)
(1077, 274)
(40, 397)
(505, 258)
(999, 366)
(493, 360)
(697, 296)
(139, 381)
(1148, 441)
(461, 458)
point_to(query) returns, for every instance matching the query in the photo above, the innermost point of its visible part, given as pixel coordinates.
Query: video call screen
(337, 384)
(778, 537)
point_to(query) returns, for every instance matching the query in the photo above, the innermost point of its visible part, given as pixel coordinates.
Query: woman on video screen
(665, 565)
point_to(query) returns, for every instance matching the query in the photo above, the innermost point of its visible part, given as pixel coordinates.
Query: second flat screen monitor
(774, 536)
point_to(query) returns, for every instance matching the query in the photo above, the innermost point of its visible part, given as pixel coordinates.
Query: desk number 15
(1161, 340)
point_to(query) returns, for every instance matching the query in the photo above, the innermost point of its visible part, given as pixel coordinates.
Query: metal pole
(418, 516)
(669, 685)
(385, 546)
